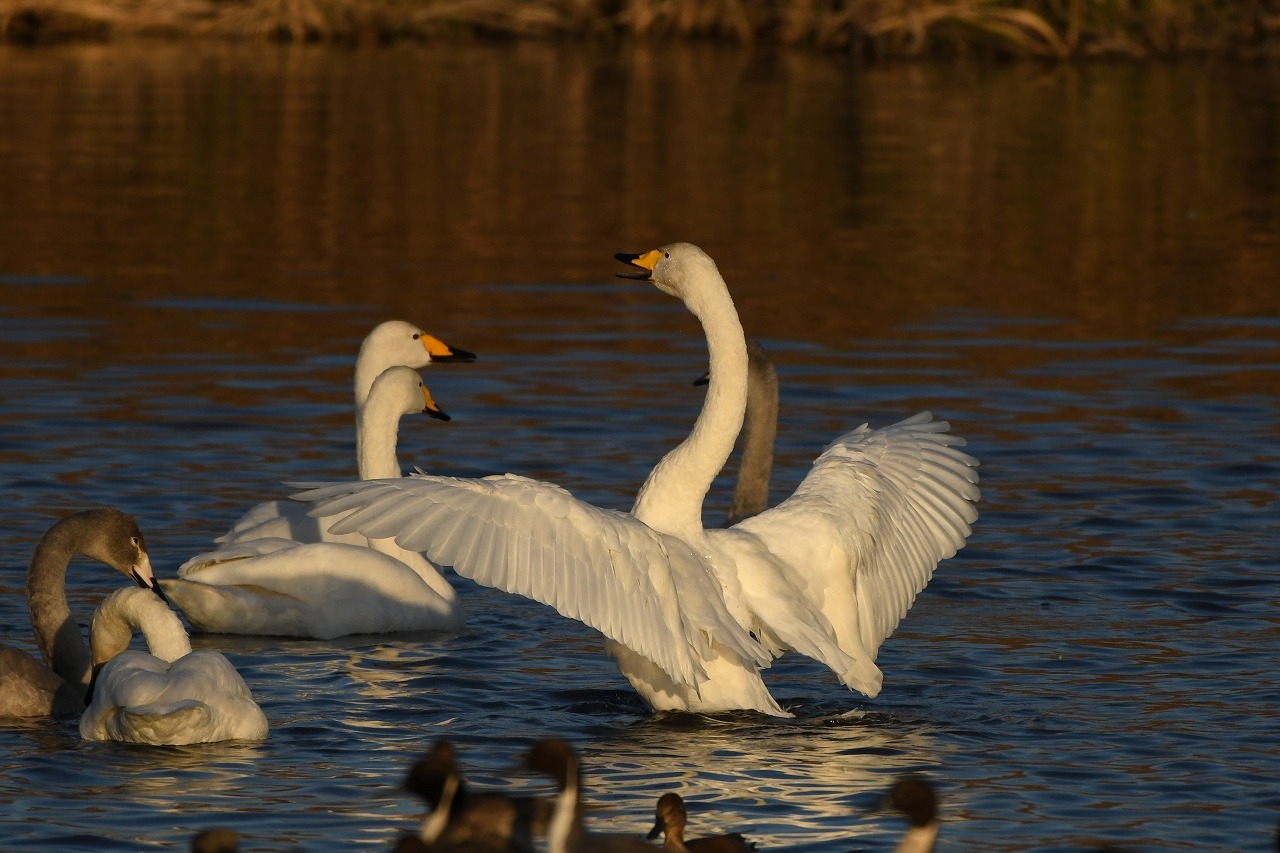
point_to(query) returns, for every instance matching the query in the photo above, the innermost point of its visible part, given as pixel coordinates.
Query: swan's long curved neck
(57, 634)
(129, 610)
(377, 423)
(671, 498)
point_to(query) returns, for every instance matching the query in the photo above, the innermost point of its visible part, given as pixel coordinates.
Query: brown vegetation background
(1057, 29)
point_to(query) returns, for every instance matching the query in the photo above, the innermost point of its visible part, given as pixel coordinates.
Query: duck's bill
(643, 262)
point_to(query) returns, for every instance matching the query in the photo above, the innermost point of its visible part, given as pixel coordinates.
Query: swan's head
(405, 386)
(398, 342)
(677, 269)
(114, 539)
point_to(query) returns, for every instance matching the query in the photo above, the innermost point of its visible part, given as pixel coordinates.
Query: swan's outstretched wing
(641, 588)
(864, 530)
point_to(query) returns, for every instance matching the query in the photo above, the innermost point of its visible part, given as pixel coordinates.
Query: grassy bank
(1056, 29)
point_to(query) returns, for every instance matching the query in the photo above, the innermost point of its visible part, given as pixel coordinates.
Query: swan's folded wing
(231, 553)
(636, 586)
(864, 530)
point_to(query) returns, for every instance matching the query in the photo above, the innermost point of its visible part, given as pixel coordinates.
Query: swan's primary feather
(639, 587)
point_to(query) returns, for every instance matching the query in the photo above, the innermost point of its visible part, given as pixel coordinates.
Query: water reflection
(1074, 265)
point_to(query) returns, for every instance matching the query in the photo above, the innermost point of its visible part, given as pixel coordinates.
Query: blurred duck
(670, 819)
(565, 832)
(57, 687)
(459, 816)
(326, 589)
(759, 429)
(913, 797)
(170, 695)
(216, 840)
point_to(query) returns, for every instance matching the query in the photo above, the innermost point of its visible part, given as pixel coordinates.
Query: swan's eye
(666, 254)
(416, 336)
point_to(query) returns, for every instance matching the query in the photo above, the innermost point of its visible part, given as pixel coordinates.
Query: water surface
(1075, 266)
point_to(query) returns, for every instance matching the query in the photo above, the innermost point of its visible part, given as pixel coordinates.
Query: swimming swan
(282, 587)
(692, 615)
(29, 688)
(170, 696)
(392, 343)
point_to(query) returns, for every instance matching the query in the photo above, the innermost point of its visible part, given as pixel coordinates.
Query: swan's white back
(333, 586)
(165, 697)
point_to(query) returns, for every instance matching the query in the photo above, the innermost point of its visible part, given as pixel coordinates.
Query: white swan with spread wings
(694, 615)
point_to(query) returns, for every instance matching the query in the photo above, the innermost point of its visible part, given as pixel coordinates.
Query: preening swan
(693, 615)
(171, 695)
(392, 343)
(57, 687)
(669, 821)
(323, 590)
(565, 832)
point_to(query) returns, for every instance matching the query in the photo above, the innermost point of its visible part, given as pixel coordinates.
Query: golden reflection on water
(840, 202)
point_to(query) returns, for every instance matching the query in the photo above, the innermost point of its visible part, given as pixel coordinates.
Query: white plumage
(325, 589)
(693, 615)
(172, 695)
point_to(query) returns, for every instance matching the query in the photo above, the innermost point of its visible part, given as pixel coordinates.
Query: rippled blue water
(1099, 665)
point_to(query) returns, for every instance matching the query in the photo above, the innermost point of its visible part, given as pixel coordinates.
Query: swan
(691, 615)
(459, 816)
(759, 429)
(281, 587)
(392, 343)
(29, 688)
(669, 821)
(565, 832)
(171, 695)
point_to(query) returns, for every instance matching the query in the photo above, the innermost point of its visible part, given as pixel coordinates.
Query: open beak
(645, 262)
(440, 351)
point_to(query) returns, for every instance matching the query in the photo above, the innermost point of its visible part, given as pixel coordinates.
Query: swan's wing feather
(237, 551)
(864, 530)
(534, 539)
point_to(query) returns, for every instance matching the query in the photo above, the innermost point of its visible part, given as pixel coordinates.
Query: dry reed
(1052, 29)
